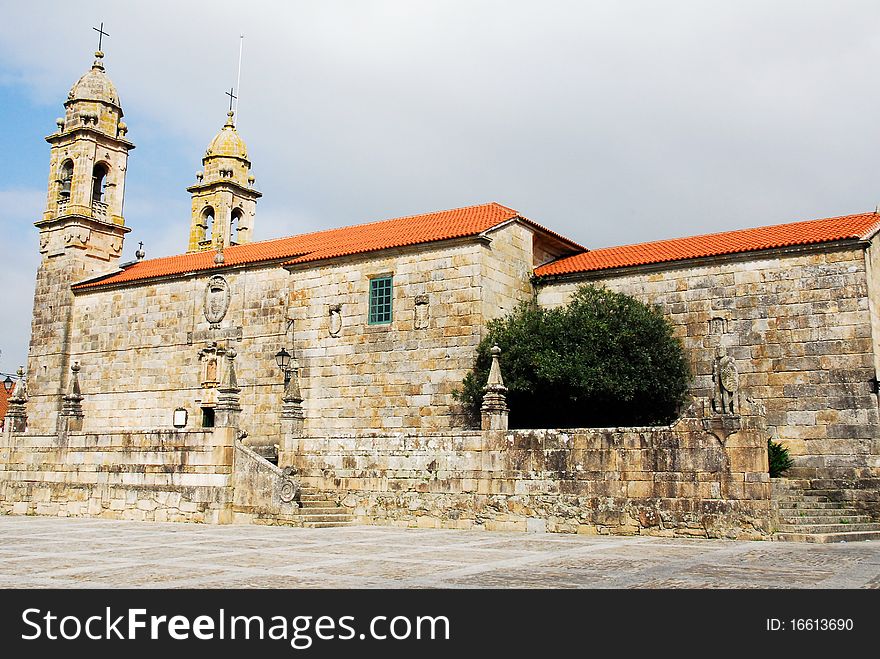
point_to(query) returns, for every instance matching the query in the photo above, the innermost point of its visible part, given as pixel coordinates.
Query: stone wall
(139, 350)
(144, 348)
(798, 325)
(678, 480)
(148, 475)
(401, 374)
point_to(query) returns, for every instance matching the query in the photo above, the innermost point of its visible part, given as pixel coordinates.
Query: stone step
(826, 519)
(318, 504)
(325, 518)
(326, 525)
(812, 505)
(313, 495)
(831, 495)
(322, 510)
(826, 528)
(806, 499)
(852, 536)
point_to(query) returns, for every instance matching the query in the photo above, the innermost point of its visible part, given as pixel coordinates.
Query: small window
(380, 300)
(207, 417)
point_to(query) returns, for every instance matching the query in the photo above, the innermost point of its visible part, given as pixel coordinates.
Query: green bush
(779, 459)
(605, 359)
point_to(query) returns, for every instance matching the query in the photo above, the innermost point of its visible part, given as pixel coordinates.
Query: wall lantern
(180, 417)
(282, 358)
(7, 384)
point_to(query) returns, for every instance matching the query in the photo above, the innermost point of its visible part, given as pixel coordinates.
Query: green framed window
(380, 300)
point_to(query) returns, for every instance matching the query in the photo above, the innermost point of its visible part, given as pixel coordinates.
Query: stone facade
(800, 326)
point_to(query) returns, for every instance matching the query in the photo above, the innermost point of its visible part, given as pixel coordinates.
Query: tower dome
(227, 143)
(223, 198)
(95, 86)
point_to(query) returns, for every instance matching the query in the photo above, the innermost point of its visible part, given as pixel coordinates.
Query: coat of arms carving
(217, 298)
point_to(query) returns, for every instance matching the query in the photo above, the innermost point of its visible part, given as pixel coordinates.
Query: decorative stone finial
(219, 259)
(16, 413)
(20, 393)
(140, 254)
(60, 123)
(98, 64)
(495, 380)
(200, 175)
(494, 408)
(228, 410)
(230, 119)
(71, 417)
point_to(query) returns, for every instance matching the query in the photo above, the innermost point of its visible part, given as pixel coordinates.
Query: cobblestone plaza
(41, 552)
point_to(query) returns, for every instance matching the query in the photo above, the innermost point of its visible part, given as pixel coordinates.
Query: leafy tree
(779, 458)
(605, 359)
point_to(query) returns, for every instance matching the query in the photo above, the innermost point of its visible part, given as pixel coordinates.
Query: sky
(609, 122)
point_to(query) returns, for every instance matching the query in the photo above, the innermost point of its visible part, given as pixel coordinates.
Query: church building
(362, 333)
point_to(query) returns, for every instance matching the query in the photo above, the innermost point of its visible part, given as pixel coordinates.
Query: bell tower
(224, 200)
(81, 231)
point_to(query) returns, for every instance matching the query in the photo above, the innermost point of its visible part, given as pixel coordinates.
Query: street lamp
(7, 384)
(282, 358)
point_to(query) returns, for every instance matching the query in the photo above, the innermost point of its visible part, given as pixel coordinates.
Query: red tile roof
(4, 401)
(385, 234)
(825, 230)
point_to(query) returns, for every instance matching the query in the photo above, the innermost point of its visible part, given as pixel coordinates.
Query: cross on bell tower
(101, 34)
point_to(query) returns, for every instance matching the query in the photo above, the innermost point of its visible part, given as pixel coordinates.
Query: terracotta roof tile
(398, 232)
(730, 242)
(4, 401)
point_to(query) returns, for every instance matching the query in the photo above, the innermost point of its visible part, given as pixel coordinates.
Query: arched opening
(235, 226)
(207, 225)
(99, 182)
(66, 180)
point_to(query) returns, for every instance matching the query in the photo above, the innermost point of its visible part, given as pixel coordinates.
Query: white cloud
(611, 122)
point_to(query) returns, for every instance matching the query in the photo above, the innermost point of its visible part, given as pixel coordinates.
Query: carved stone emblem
(217, 298)
(421, 317)
(335, 319)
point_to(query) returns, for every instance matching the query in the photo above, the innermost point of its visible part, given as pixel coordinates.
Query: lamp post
(282, 358)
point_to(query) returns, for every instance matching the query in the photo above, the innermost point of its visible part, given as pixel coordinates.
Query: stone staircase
(319, 512)
(814, 515)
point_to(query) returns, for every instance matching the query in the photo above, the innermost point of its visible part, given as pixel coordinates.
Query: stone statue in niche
(209, 357)
(335, 319)
(211, 370)
(726, 379)
(217, 298)
(421, 315)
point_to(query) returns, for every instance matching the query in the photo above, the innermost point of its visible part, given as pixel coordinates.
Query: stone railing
(99, 210)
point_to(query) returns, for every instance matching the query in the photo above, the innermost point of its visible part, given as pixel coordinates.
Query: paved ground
(42, 552)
